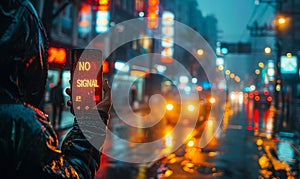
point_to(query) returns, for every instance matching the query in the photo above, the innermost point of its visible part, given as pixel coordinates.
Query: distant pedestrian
(58, 102)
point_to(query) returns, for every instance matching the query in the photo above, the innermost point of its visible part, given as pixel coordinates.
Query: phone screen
(86, 78)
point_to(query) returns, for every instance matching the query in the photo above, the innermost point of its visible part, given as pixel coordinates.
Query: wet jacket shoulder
(29, 147)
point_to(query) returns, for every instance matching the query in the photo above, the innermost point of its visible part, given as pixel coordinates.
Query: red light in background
(249, 128)
(103, 5)
(269, 99)
(256, 119)
(266, 92)
(257, 98)
(57, 55)
(97, 98)
(85, 8)
(98, 2)
(153, 11)
(51, 85)
(105, 66)
(251, 95)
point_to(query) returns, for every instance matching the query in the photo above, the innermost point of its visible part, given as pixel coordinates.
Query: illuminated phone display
(86, 78)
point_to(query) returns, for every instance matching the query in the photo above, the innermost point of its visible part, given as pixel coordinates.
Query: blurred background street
(250, 47)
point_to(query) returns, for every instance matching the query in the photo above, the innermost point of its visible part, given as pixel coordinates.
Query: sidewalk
(272, 163)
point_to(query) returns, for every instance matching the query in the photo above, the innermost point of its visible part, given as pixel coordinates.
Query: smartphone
(86, 79)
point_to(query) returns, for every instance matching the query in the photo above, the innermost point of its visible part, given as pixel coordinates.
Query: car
(187, 108)
(262, 99)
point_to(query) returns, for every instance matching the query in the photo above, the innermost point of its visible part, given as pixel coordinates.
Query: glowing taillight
(257, 98)
(269, 99)
(266, 93)
(250, 95)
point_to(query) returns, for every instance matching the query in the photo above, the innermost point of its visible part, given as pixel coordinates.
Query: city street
(186, 89)
(243, 148)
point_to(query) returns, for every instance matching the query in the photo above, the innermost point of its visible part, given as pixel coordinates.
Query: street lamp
(268, 50)
(281, 20)
(280, 23)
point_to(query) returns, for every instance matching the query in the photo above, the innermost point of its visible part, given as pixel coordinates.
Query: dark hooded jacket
(28, 144)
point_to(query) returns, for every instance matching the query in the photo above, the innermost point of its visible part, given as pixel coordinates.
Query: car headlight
(212, 100)
(190, 107)
(169, 107)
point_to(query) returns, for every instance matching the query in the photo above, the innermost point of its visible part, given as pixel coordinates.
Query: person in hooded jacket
(29, 146)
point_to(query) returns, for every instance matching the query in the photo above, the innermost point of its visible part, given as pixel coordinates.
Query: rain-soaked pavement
(243, 147)
(232, 153)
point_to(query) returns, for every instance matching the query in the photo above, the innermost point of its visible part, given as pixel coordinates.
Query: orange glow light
(191, 143)
(153, 11)
(212, 100)
(85, 8)
(165, 59)
(84, 23)
(103, 2)
(103, 8)
(199, 88)
(281, 20)
(153, 2)
(152, 23)
(57, 55)
(105, 66)
(251, 95)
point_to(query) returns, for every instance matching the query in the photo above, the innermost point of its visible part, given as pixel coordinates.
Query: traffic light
(224, 50)
(239, 47)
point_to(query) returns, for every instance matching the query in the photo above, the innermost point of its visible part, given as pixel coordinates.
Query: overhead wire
(255, 14)
(254, 11)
